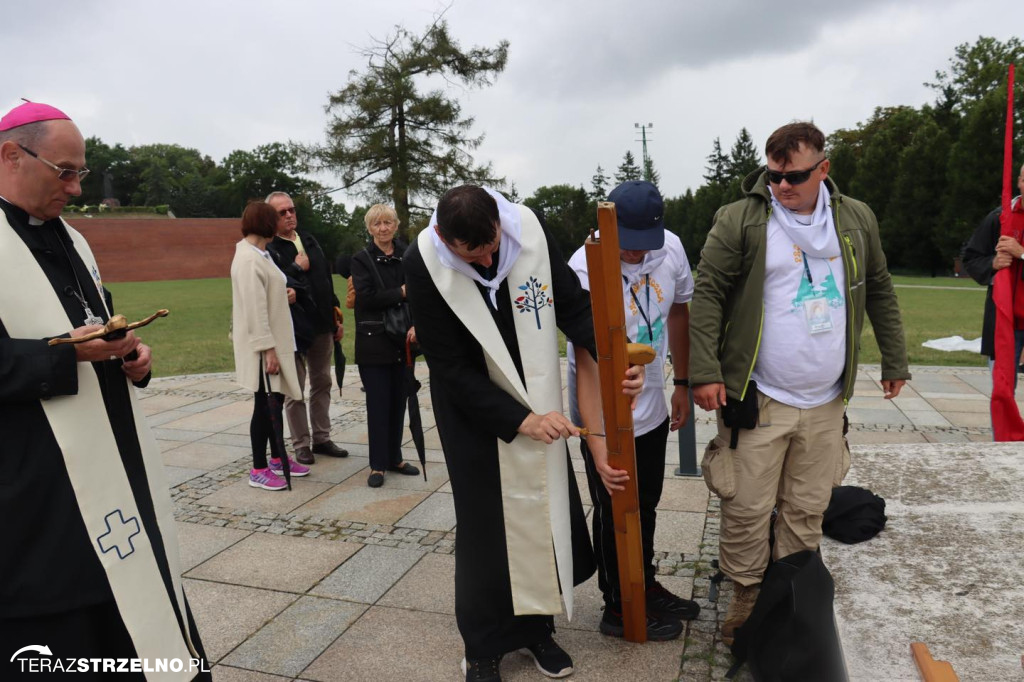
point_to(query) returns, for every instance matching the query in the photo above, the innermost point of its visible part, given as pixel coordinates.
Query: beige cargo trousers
(791, 461)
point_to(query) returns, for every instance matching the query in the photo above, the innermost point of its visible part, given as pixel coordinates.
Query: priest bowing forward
(89, 565)
(488, 289)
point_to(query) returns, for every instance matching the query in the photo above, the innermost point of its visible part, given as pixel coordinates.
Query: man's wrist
(681, 382)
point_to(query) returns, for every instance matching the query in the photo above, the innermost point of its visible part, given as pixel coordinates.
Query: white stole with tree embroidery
(30, 309)
(534, 475)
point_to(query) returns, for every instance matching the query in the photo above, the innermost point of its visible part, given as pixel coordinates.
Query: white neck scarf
(511, 245)
(817, 239)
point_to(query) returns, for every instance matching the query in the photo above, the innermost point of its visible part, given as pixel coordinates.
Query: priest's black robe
(48, 566)
(471, 414)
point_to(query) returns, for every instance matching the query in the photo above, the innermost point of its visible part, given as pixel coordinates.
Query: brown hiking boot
(743, 598)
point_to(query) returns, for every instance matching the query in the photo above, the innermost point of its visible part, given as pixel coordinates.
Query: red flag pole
(1006, 421)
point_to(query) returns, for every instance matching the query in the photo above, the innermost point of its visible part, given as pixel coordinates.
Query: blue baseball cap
(640, 212)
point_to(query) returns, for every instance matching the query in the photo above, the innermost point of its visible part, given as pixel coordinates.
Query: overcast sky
(219, 75)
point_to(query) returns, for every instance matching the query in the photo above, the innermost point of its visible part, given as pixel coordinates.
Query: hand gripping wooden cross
(613, 359)
(117, 327)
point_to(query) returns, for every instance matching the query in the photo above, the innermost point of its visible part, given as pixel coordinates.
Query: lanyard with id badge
(817, 314)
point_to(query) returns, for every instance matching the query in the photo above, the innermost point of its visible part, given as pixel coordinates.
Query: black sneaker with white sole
(482, 669)
(661, 602)
(550, 658)
(660, 628)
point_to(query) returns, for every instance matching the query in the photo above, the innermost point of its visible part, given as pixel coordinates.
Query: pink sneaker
(295, 468)
(266, 479)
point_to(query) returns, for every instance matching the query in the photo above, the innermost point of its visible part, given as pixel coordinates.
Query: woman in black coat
(380, 284)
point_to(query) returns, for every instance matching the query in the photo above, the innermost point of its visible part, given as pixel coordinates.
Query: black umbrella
(339, 354)
(415, 422)
(275, 403)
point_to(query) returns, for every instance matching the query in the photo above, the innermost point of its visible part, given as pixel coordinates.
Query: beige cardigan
(260, 321)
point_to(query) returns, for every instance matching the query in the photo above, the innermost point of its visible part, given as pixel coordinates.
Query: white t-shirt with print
(660, 280)
(803, 340)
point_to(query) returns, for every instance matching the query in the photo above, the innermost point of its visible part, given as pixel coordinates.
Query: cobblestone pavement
(311, 584)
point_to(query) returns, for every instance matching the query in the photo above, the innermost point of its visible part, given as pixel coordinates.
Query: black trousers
(650, 480)
(385, 412)
(89, 632)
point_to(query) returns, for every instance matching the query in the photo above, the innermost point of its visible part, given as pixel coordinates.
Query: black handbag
(397, 318)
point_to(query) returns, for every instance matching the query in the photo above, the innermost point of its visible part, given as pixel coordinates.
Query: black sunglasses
(792, 177)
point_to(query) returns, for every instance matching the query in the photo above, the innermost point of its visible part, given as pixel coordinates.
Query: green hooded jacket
(727, 311)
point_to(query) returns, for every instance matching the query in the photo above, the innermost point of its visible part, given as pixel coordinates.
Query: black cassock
(471, 413)
(50, 577)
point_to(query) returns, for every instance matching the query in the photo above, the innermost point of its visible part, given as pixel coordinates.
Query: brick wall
(143, 250)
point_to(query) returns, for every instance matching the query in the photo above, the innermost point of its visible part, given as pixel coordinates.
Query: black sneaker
(663, 603)
(482, 669)
(550, 658)
(659, 628)
(330, 449)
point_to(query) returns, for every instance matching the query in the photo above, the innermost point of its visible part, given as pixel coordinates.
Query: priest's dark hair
(468, 214)
(785, 141)
(259, 218)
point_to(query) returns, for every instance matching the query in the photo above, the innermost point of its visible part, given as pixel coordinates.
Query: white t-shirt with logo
(803, 340)
(660, 280)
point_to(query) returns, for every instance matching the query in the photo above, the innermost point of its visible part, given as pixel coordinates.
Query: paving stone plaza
(337, 581)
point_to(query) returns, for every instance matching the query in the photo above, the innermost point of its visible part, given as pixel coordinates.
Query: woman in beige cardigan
(264, 343)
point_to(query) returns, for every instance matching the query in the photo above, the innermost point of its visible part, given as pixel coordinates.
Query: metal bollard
(688, 445)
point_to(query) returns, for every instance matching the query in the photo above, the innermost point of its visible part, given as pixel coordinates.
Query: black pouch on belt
(742, 414)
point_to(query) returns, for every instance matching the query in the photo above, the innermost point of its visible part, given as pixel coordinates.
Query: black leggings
(266, 426)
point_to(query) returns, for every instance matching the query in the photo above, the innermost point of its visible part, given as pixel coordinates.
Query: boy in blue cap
(656, 288)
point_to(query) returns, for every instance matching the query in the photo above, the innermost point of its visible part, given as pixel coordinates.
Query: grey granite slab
(337, 469)
(225, 673)
(428, 586)
(437, 512)
(205, 455)
(354, 501)
(368, 574)
(678, 531)
(429, 644)
(684, 494)
(296, 637)
(228, 614)
(945, 571)
(198, 542)
(178, 475)
(277, 562)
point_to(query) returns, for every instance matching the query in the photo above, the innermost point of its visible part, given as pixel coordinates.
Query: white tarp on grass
(951, 343)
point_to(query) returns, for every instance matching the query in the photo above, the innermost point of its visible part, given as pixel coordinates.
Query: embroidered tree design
(534, 299)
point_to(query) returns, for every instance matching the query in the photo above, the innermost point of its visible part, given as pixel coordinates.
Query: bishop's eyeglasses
(63, 174)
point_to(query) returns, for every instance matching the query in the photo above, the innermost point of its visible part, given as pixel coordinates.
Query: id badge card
(817, 315)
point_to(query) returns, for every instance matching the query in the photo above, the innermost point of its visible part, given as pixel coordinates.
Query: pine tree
(715, 172)
(628, 170)
(388, 140)
(650, 175)
(599, 185)
(744, 157)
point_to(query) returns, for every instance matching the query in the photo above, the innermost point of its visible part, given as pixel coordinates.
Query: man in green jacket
(785, 277)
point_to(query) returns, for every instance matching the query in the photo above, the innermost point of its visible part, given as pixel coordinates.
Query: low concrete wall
(144, 250)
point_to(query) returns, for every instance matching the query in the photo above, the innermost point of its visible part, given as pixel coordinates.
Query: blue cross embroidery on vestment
(119, 532)
(534, 299)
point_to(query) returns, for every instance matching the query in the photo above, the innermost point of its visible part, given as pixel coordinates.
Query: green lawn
(933, 314)
(194, 338)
